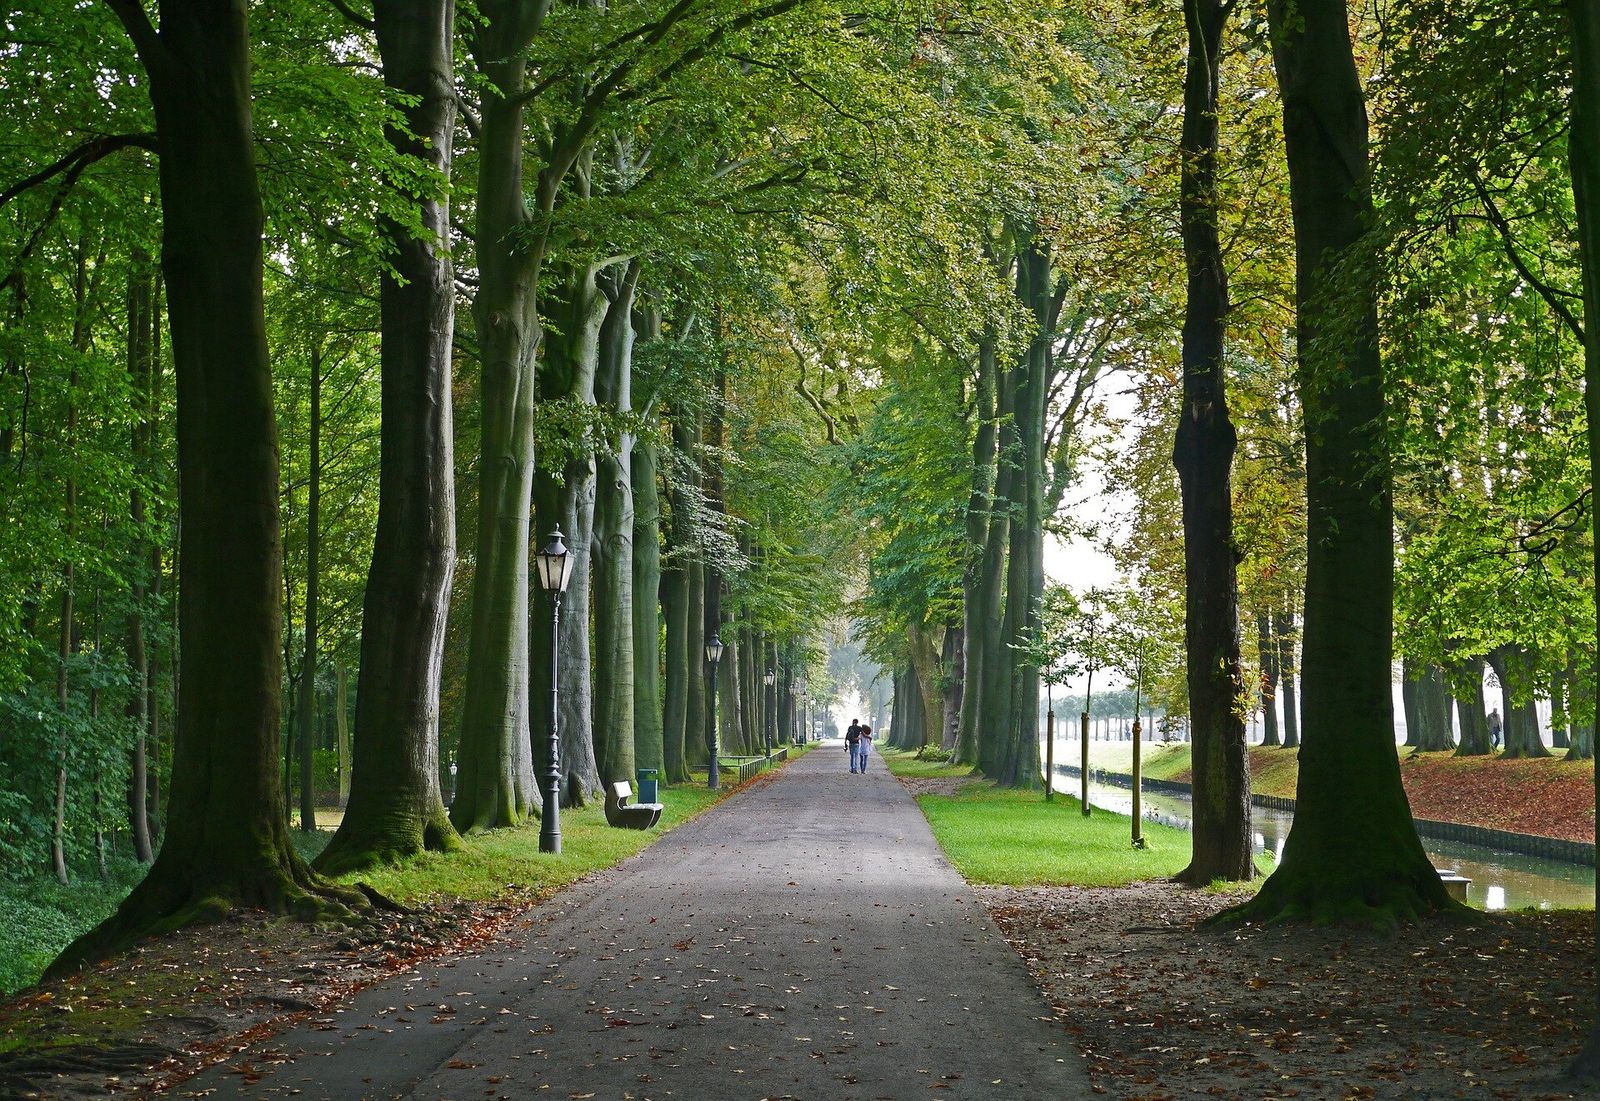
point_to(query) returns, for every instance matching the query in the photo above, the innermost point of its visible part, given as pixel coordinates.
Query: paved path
(806, 939)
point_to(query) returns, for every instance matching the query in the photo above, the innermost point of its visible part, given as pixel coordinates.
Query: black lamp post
(555, 569)
(800, 703)
(713, 655)
(772, 707)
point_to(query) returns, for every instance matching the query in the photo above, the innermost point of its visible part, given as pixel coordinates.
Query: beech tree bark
(308, 652)
(141, 325)
(1283, 630)
(226, 841)
(1267, 649)
(1018, 763)
(1521, 725)
(394, 807)
(1352, 853)
(495, 785)
(1471, 713)
(974, 592)
(614, 719)
(1203, 454)
(1584, 154)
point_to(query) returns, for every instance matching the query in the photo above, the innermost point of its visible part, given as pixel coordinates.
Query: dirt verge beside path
(1164, 1010)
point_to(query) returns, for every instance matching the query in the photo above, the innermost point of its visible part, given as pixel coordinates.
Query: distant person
(865, 744)
(852, 741)
(1494, 729)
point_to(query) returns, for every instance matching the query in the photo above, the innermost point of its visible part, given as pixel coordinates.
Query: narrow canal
(1500, 880)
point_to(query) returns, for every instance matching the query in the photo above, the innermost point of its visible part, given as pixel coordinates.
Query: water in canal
(1500, 881)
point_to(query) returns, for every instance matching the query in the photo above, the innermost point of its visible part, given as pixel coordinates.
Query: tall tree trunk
(675, 695)
(974, 592)
(1019, 765)
(730, 697)
(954, 661)
(1409, 674)
(1584, 153)
(647, 719)
(1433, 712)
(1352, 852)
(1510, 664)
(1580, 736)
(614, 723)
(1284, 631)
(394, 807)
(1267, 648)
(308, 670)
(1471, 712)
(566, 496)
(1559, 723)
(226, 842)
(341, 728)
(141, 325)
(495, 785)
(1203, 454)
(994, 708)
(924, 646)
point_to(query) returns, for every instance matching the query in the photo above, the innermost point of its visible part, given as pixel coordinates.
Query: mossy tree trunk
(389, 780)
(1352, 852)
(495, 785)
(226, 841)
(1203, 454)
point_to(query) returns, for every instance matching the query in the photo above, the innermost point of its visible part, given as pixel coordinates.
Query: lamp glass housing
(714, 649)
(555, 564)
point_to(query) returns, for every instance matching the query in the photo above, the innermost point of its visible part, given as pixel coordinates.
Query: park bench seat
(629, 816)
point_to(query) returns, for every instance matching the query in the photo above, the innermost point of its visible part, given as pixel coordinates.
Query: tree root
(1377, 901)
(167, 900)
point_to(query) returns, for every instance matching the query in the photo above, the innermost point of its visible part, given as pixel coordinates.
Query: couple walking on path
(858, 740)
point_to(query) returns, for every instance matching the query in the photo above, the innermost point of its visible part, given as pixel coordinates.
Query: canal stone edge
(1525, 844)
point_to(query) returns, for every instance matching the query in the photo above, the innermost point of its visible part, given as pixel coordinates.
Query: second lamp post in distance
(713, 655)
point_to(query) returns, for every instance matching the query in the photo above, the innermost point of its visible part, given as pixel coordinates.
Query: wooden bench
(629, 816)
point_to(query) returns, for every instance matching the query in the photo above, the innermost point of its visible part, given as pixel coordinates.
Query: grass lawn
(1014, 838)
(44, 917)
(491, 863)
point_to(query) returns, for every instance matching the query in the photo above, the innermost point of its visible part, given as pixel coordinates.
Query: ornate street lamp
(800, 701)
(713, 655)
(555, 570)
(771, 678)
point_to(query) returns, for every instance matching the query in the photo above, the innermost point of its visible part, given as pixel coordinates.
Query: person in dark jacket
(852, 742)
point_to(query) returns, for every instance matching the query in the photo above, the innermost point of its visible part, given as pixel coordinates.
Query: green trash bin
(647, 785)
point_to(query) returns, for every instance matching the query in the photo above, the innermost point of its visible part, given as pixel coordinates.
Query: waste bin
(647, 784)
